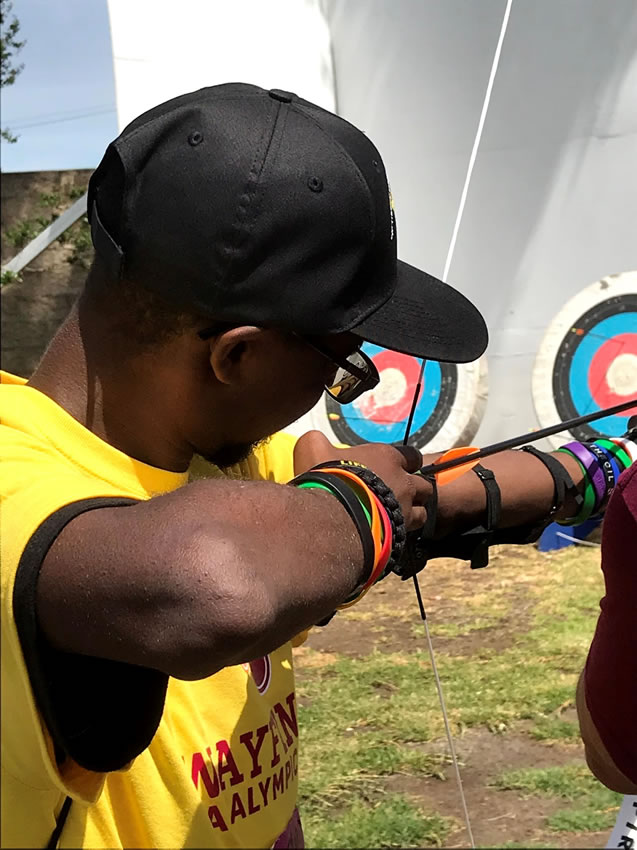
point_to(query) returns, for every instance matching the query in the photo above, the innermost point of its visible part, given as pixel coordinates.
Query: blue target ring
(582, 363)
(381, 416)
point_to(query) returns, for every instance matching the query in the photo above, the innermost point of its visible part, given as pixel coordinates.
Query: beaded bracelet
(386, 497)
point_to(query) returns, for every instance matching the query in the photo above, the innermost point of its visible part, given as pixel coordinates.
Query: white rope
(476, 141)
(576, 539)
(450, 253)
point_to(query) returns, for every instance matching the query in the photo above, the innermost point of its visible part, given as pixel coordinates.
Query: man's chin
(231, 455)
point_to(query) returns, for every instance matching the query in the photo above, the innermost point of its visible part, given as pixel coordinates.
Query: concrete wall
(33, 309)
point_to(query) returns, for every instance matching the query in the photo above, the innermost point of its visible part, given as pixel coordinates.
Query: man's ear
(231, 352)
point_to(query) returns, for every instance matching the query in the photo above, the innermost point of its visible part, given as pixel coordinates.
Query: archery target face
(447, 414)
(588, 359)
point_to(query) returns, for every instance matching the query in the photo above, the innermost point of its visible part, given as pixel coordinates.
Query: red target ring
(588, 359)
(399, 374)
(604, 374)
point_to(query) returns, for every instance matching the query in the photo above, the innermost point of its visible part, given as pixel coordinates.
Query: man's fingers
(411, 458)
(416, 519)
(423, 490)
(396, 470)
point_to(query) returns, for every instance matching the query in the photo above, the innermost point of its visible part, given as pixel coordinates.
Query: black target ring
(564, 403)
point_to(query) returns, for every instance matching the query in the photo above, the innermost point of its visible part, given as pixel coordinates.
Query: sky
(62, 105)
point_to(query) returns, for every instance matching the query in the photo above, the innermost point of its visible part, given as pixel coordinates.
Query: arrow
(462, 459)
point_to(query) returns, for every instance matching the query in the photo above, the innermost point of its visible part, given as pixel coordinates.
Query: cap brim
(427, 318)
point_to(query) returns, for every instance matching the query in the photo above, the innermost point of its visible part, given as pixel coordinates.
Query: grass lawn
(510, 642)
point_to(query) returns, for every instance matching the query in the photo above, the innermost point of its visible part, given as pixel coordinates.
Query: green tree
(10, 46)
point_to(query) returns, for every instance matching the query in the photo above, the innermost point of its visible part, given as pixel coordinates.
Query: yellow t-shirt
(221, 768)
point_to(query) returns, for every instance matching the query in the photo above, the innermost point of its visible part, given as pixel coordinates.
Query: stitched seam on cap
(346, 156)
(240, 227)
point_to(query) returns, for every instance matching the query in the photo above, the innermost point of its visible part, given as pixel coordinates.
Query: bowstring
(450, 253)
(445, 717)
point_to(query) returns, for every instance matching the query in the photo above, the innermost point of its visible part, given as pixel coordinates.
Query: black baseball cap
(258, 207)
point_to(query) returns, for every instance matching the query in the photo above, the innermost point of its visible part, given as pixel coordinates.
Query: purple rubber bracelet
(592, 467)
(609, 473)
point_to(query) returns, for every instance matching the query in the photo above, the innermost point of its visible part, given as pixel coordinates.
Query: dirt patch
(311, 660)
(469, 612)
(356, 638)
(389, 619)
(496, 816)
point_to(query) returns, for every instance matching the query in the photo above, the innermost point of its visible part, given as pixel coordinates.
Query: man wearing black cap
(245, 247)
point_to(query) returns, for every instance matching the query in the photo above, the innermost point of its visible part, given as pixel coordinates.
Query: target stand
(588, 359)
(448, 412)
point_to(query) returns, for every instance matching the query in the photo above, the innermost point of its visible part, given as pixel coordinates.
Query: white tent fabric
(553, 201)
(552, 204)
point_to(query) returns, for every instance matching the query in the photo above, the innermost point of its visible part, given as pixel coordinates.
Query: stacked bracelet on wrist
(374, 510)
(602, 461)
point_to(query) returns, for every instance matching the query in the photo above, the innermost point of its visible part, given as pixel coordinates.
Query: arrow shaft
(523, 439)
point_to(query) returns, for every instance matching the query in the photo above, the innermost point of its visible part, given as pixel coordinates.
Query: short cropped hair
(134, 312)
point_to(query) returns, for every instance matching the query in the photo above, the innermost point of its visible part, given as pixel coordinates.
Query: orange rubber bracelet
(381, 561)
(380, 564)
(377, 524)
(387, 543)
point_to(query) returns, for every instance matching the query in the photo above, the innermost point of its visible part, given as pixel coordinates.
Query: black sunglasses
(356, 373)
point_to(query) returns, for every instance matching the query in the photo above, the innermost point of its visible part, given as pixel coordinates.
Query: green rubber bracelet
(589, 496)
(316, 485)
(621, 454)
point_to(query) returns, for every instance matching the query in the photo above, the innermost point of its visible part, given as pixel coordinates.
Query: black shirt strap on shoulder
(100, 713)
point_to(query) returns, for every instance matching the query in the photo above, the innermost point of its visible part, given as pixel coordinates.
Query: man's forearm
(526, 488)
